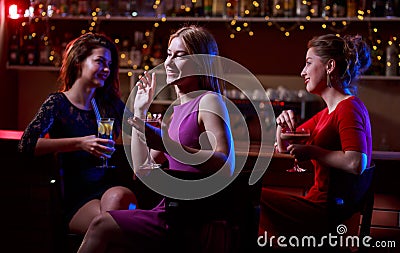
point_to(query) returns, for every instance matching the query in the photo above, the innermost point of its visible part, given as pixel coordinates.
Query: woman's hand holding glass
(293, 137)
(288, 136)
(146, 124)
(105, 131)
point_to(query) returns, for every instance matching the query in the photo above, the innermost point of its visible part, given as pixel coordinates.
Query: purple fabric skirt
(146, 230)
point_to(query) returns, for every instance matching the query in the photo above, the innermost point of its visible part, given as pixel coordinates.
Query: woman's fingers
(136, 123)
(287, 119)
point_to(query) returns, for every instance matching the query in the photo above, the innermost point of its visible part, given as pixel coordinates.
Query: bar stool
(345, 190)
(232, 231)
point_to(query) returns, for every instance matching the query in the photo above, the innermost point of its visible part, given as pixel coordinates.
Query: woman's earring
(328, 80)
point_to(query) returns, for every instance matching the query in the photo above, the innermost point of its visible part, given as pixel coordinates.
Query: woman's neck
(333, 97)
(80, 97)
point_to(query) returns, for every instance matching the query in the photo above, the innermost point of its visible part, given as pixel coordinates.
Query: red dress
(346, 128)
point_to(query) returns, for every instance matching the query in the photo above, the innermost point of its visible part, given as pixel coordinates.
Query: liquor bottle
(56, 53)
(256, 7)
(124, 56)
(44, 51)
(219, 8)
(30, 46)
(83, 7)
(326, 8)
(136, 50)
(147, 9)
(265, 6)
(234, 10)
(301, 8)
(377, 67)
(378, 8)
(352, 7)
(339, 8)
(365, 6)
(315, 8)
(73, 7)
(289, 8)
(277, 8)
(157, 53)
(208, 7)
(397, 8)
(14, 49)
(198, 8)
(63, 8)
(169, 6)
(389, 9)
(392, 58)
(178, 10)
(104, 6)
(243, 8)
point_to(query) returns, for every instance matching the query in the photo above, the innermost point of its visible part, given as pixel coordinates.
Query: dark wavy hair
(351, 54)
(76, 52)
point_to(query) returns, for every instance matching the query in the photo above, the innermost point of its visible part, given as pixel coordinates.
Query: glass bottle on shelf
(265, 7)
(14, 49)
(389, 8)
(277, 8)
(56, 53)
(377, 67)
(83, 7)
(208, 7)
(392, 58)
(124, 56)
(169, 6)
(31, 47)
(352, 7)
(339, 8)
(198, 8)
(219, 8)
(365, 7)
(157, 53)
(289, 8)
(256, 8)
(302, 8)
(136, 50)
(44, 50)
(378, 8)
(326, 8)
(315, 8)
(233, 9)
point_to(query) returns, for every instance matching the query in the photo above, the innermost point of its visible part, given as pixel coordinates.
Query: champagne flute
(295, 137)
(105, 131)
(150, 164)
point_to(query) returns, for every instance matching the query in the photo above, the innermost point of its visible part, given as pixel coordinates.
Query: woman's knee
(103, 227)
(118, 197)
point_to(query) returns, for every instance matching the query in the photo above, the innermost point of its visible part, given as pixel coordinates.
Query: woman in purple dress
(199, 126)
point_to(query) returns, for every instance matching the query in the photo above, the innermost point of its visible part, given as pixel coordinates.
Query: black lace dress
(59, 118)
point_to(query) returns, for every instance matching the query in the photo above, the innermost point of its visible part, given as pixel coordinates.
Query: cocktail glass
(298, 136)
(105, 131)
(150, 164)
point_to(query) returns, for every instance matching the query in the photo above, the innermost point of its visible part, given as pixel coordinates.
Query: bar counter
(253, 150)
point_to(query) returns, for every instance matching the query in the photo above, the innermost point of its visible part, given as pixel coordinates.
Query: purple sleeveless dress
(147, 229)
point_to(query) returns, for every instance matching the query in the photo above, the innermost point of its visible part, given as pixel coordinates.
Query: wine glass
(105, 131)
(295, 136)
(150, 164)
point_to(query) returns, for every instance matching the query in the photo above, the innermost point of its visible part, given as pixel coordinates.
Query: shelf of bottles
(32, 43)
